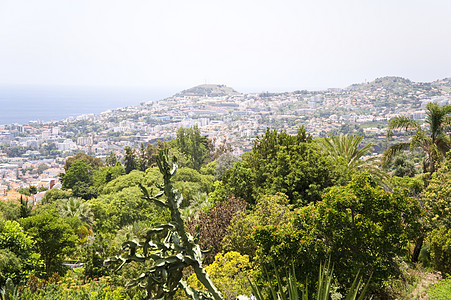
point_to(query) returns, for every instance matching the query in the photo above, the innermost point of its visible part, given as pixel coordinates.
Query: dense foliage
(291, 201)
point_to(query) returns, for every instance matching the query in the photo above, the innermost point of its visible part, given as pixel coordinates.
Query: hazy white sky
(256, 45)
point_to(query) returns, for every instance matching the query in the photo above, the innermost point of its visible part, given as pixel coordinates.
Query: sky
(252, 46)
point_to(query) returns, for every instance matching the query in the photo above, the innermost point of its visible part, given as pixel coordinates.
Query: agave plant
(290, 290)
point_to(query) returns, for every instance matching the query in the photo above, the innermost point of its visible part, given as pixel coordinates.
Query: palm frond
(436, 116)
(345, 147)
(401, 122)
(392, 151)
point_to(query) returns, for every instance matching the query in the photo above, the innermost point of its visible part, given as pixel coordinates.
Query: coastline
(24, 104)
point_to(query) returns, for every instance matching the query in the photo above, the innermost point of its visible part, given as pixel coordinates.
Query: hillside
(209, 90)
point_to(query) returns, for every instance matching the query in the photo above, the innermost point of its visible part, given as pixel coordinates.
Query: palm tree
(344, 149)
(75, 207)
(433, 140)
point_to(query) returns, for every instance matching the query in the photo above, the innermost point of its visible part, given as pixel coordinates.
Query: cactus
(172, 253)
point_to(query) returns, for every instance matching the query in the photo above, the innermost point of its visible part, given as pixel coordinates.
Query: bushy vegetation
(270, 218)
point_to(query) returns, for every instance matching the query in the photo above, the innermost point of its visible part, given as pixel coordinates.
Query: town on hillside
(33, 154)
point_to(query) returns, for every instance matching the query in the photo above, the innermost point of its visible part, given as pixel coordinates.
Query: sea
(22, 104)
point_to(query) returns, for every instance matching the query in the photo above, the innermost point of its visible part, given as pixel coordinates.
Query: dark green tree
(111, 159)
(403, 166)
(364, 228)
(25, 209)
(54, 239)
(130, 161)
(279, 162)
(78, 172)
(93, 162)
(194, 145)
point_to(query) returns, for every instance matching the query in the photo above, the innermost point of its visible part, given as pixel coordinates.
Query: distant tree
(223, 163)
(93, 162)
(41, 168)
(130, 160)
(79, 171)
(111, 159)
(404, 166)
(194, 145)
(33, 189)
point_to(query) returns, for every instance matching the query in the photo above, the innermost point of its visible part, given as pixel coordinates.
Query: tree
(230, 272)
(93, 162)
(54, 239)
(130, 160)
(111, 159)
(279, 162)
(224, 163)
(104, 175)
(404, 166)
(25, 209)
(123, 207)
(75, 207)
(146, 156)
(9, 210)
(17, 258)
(212, 226)
(41, 168)
(270, 210)
(437, 203)
(55, 194)
(433, 141)
(345, 150)
(194, 145)
(79, 171)
(364, 228)
(78, 176)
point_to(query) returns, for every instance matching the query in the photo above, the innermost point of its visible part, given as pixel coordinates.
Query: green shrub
(230, 273)
(441, 291)
(440, 248)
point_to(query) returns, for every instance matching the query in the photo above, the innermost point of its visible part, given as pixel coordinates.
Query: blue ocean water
(21, 104)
